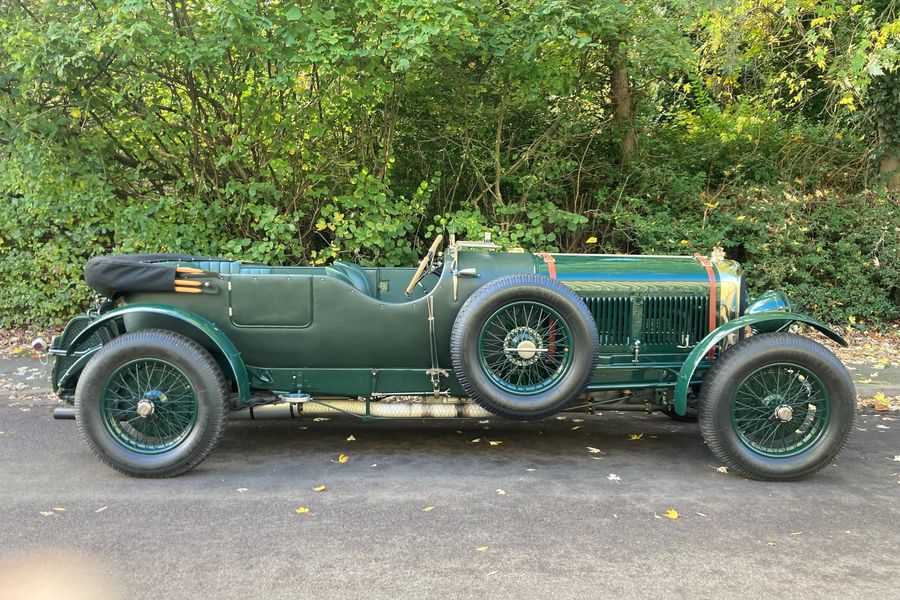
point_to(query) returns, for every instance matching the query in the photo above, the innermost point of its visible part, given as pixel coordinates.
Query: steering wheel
(423, 264)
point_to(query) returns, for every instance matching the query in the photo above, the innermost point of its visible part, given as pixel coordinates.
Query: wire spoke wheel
(780, 410)
(152, 403)
(149, 406)
(525, 347)
(776, 406)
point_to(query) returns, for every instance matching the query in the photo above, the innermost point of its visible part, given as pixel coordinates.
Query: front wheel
(152, 403)
(777, 407)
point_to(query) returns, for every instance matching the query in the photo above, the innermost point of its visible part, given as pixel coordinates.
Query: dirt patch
(17, 342)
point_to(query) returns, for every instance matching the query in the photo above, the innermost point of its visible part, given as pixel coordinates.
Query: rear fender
(204, 329)
(765, 322)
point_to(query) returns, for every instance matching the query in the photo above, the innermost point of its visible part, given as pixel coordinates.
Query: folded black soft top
(117, 273)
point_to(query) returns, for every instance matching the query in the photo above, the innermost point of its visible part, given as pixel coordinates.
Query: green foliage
(302, 132)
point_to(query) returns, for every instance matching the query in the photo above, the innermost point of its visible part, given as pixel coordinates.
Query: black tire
(209, 402)
(558, 389)
(817, 377)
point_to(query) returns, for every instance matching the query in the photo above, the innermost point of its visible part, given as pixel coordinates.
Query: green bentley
(177, 345)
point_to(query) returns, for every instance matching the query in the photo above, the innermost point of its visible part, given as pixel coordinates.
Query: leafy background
(300, 132)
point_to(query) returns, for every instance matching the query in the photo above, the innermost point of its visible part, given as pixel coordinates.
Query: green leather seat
(354, 275)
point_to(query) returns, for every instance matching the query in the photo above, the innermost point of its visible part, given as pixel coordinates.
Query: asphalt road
(561, 528)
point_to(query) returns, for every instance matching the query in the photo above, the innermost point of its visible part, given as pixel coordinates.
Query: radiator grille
(675, 320)
(666, 320)
(613, 318)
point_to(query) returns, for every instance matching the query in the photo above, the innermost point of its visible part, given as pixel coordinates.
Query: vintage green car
(177, 344)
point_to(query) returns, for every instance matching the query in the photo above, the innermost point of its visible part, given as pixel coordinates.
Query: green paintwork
(351, 331)
(164, 387)
(182, 321)
(769, 301)
(757, 399)
(768, 322)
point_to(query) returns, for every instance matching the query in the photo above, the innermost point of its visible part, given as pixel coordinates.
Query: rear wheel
(152, 403)
(777, 406)
(524, 346)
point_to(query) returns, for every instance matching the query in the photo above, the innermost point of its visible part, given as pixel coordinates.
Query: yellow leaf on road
(635, 436)
(343, 458)
(672, 514)
(495, 442)
(59, 509)
(350, 438)
(428, 508)
(482, 549)
(302, 510)
(593, 450)
(796, 533)
(319, 488)
(722, 469)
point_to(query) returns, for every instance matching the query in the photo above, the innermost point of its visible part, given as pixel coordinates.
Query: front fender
(764, 322)
(203, 326)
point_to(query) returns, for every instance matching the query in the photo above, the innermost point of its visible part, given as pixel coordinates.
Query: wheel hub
(784, 413)
(521, 344)
(146, 408)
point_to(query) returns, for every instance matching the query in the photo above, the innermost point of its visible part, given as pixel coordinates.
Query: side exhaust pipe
(282, 410)
(64, 413)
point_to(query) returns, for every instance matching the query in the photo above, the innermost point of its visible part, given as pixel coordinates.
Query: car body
(483, 332)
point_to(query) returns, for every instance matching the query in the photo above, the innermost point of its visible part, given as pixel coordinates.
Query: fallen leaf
(896, 458)
(864, 381)
(101, 509)
(593, 450)
(482, 549)
(242, 490)
(373, 465)
(561, 418)
(318, 419)
(591, 240)
(576, 427)
(501, 493)
(428, 509)
(795, 533)
(672, 514)
(59, 509)
(614, 477)
(475, 441)
(495, 442)
(350, 438)
(722, 469)
(578, 420)
(319, 488)
(343, 458)
(880, 426)
(635, 436)
(47, 513)
(302, 510)
(770, 544)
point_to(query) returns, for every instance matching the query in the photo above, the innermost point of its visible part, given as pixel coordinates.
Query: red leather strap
(551, 264)
(713, 308)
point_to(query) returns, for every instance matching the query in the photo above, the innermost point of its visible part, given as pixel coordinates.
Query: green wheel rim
(780, 410)
(149, 406)
(525, 347)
